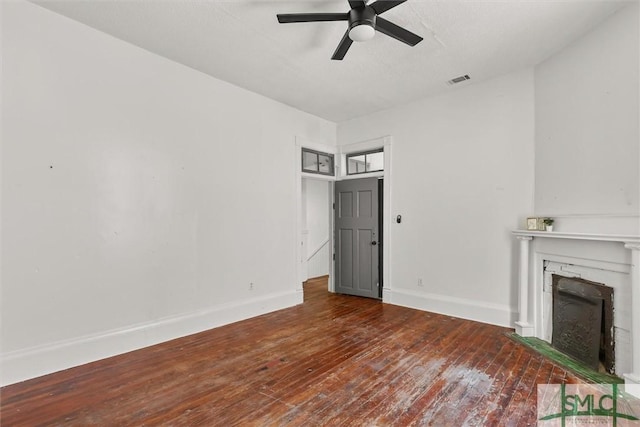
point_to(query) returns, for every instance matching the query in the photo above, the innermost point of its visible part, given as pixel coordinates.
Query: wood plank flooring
(334, 360)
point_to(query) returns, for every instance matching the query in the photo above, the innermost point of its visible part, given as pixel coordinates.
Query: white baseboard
(479, 311)
(33, 362)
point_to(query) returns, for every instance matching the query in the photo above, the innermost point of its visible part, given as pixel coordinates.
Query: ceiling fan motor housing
(362, 16)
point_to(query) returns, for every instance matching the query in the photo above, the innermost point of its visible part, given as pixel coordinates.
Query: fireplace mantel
(524, 325)
(579, 236)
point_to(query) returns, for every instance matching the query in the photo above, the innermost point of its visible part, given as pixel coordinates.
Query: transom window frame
(331, 156)
(350, 155)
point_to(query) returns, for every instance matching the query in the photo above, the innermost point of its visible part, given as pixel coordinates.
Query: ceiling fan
(363, 22)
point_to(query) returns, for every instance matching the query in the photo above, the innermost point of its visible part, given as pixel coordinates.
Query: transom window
(317, 162)
(365, 161)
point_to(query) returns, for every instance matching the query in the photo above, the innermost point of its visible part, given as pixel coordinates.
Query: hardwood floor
(334, 360)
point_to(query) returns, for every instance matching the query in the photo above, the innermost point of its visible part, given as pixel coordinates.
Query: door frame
(304, 240)
(340, 165)
(299, 175)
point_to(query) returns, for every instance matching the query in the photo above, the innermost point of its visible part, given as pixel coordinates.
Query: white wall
(462, 174)
(587, 130)
(316, 199)
(140, 197)
(588, 166)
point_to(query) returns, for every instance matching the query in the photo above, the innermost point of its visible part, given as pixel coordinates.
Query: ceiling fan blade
(285, 18)
(343, 47)
(398, 33)
(357, 3)
(382, 6)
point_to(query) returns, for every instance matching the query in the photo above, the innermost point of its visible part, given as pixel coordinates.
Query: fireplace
(613, 259)
(583, 322)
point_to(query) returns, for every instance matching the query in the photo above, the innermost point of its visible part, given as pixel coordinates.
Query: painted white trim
(386, 211)
(317, 176)
(579, 236)
(607, 215)
(332, 200)
(303, 142)
(363, 175)
(494, 314)
(297, 209)
(369, 144)
(33, 362)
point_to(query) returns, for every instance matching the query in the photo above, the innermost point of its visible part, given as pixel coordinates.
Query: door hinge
(334, 206)
(334, 257)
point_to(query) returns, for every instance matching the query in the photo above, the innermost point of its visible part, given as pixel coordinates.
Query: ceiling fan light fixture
(361, 33)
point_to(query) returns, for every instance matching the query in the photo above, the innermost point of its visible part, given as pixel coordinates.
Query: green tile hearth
(567, 362)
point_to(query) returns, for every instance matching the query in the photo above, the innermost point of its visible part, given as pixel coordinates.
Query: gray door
(356, 237)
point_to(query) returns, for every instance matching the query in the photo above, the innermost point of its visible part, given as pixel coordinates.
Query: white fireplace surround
(598, 252)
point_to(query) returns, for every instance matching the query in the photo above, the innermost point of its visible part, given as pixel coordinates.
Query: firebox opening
(583, 322)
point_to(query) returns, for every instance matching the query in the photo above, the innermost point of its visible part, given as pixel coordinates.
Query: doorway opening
(311, 249)
(316, 221)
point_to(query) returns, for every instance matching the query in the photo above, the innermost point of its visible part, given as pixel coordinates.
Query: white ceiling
(241, 42)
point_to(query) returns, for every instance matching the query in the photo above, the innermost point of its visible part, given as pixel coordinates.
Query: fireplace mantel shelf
(578, 236)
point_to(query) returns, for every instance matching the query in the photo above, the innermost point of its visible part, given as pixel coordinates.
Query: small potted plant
(548, 224)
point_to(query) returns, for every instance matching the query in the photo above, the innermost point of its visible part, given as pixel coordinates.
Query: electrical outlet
(420, 281)
(251, 286)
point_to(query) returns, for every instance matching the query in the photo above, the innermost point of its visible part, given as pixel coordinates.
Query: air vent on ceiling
(459, 79)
